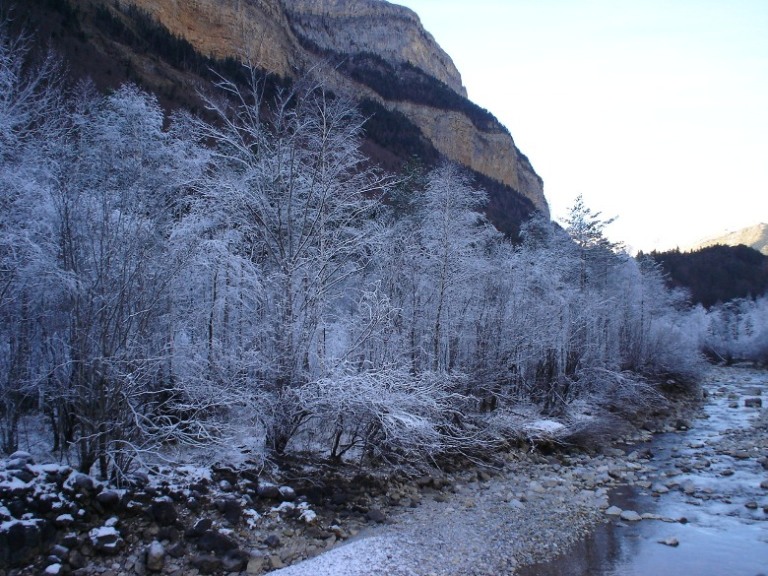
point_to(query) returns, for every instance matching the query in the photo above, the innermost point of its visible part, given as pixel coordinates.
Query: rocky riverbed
(714, 475)
(522, 508)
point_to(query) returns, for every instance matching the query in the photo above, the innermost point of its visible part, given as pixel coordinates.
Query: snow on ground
(383, 554)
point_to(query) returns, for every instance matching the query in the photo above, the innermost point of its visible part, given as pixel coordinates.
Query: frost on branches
(251, 284)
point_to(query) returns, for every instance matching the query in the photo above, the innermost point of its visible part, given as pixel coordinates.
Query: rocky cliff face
(386, 56)
(359, 26)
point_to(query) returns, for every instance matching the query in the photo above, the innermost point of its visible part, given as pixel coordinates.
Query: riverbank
(521, 508)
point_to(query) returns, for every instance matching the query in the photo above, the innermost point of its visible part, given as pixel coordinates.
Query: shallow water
(720, 534)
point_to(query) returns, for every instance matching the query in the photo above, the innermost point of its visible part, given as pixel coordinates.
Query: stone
(753, 403)
(764, 484)
(659, 489)
(81, 483)
(376, 515)
(234, 561)
(106, 540)
(275, 562)
(200, 527)
(108, 498)
(671, 541)
(216, 542)
(231, 509)
(205, 563)
(268, 491)
(255, 565)
(163, 511)
(155, 557)
(273, 541)
(287, 494)
(614, 511)
(630, 516)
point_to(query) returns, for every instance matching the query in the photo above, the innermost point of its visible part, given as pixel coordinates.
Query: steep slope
(376, 52)
(754, 236)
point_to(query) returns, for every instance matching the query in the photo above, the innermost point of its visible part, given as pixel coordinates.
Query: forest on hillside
(248, 285)
(716, 274)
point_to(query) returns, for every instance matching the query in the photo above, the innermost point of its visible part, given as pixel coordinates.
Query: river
(705, 484)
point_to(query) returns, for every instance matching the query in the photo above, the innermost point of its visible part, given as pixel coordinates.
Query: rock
(273, 541)
(21, 455)
(79, 482)
(201, 527)
(275, 562)
(659, 489)
(268, 491)
(614, 511)
(231, 509)
(22, 541)
(234, 561)
(108, 498)
(287, 494)
(671, 541)
(216, 542)
(205, 563)
(106, 540)
(727, 472)
(169, 533)
(376, 515)
(76, 560)
(53, 569)
(163, 511)
(60, 552)
(764, 484)
(752, 505)
(155, 557)
(630, 516)
(753, 403)
(255, 565)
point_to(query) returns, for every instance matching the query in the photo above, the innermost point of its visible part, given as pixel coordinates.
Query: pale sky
(656, 111)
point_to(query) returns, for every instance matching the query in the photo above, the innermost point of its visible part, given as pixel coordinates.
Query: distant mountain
(374, 51)
(755, 237)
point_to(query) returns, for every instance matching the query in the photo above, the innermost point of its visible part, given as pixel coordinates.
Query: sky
(655, 111)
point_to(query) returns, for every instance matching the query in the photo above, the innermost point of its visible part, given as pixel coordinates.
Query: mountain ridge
(408, 82)
(753, 236)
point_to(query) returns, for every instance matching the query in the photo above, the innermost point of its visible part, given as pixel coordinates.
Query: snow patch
(545, 426)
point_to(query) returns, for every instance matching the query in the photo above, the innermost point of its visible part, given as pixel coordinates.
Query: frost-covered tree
(297, 191)
(30, 124)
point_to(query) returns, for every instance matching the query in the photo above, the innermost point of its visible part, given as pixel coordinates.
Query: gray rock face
(387, 30)
(290, 37)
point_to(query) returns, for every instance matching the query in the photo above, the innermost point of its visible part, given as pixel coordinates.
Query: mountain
(754, 236)
(716, 273)
(376, 52)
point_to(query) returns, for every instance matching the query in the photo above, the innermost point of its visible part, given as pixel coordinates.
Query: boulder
(106, 540)
(155, 557)
(163, 511)
(216, 542)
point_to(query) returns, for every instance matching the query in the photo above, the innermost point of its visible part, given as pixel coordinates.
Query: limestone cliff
(387, 30)
(379, 52)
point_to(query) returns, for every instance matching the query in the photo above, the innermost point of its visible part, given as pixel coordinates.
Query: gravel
(527, 513)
